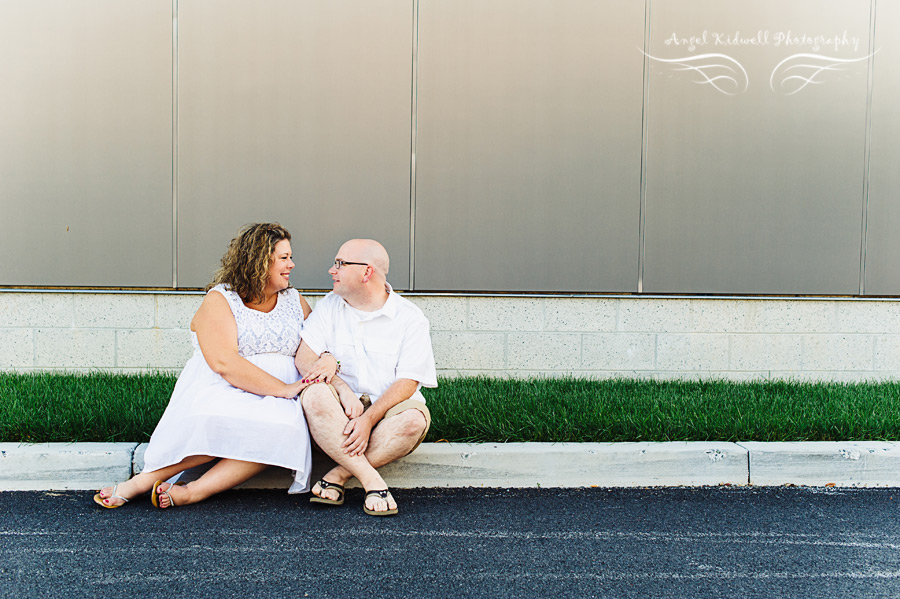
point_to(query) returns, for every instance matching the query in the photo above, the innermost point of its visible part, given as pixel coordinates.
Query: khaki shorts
(407, 404)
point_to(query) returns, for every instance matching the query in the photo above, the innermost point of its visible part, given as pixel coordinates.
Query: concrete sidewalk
(58, 466)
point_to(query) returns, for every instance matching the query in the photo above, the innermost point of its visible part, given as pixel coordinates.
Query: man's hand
(358, 431)
(353, 408)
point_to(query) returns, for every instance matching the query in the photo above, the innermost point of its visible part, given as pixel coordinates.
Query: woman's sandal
(383, 494)
(323, 485)
(98, 499)
(155, 493)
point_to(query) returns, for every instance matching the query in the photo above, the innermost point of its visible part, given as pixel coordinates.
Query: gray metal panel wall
(529, 145)
(297, 112)
(752, 188)
(85, 143)
(883, 222)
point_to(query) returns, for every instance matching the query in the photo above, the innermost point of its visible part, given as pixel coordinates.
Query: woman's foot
(380, 503)
(165, 495)
(116, 495)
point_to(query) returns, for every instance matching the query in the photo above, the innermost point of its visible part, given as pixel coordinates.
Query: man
(383, 347)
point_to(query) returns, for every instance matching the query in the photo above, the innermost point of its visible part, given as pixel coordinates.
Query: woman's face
(280, 268)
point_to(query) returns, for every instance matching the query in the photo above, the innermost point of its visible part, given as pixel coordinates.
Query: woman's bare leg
(143, 482)
(226, 474)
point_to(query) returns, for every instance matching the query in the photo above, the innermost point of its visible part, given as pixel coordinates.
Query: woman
(235, 398)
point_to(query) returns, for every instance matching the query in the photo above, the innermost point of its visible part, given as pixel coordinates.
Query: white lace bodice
(275, 332)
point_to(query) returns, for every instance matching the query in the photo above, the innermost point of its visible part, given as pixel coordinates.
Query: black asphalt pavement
(684, 542)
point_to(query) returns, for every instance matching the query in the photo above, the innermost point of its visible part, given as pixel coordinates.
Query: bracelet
(337, 368)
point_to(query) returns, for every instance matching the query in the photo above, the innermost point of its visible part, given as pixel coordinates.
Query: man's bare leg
(143, 482)
(327, 421)
(226, 474)
(390, 440)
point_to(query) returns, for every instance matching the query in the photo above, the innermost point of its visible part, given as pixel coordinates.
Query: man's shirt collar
(389, 308)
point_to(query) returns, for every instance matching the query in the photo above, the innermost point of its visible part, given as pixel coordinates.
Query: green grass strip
(106, 407)
(44, 407)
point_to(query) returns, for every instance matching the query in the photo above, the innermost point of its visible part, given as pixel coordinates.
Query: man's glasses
(339, 263)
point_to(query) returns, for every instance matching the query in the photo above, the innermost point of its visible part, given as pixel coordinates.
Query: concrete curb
(46, 466)
(81, 466)
(821, 463)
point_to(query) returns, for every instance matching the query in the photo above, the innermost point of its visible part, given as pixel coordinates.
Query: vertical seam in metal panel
(175, 144)
(642, 212)
(412, 142)
(868, 152)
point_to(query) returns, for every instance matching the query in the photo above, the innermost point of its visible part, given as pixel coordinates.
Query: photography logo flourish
(800, 70)
(726, 75)
(716, 70)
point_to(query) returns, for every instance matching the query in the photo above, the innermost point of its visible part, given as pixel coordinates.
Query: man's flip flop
(383, 494)
(99, 500)
(323, 485)
(154, 494)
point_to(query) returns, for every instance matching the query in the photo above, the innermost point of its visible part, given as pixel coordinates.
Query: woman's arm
(217, 333)
(305, 305)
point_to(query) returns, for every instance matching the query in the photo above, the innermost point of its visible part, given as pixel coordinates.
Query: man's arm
(359, 429)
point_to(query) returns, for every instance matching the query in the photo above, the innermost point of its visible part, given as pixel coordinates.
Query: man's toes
(331, 494)
(379, 505)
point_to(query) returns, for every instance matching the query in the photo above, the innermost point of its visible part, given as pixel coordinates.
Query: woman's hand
(292, 390)
(324, 369)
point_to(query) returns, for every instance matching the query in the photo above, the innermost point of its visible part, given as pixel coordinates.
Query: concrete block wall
(645, 337)
(737, 339)
(95, 331)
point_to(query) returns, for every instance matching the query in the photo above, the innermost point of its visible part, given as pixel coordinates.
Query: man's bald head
(368, 251)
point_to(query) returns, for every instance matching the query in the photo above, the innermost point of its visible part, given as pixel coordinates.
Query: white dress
(208, 416)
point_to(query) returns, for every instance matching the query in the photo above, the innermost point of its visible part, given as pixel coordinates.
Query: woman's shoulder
(291, 295)
(289, 302)
(224, 289)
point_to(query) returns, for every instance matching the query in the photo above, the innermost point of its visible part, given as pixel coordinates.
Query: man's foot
(166, 495)
(380, 503)
(327, 493)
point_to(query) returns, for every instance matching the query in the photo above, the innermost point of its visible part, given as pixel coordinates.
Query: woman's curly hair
(245, 265)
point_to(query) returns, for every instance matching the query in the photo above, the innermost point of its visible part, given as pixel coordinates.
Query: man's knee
(411, 423)
(318, 399)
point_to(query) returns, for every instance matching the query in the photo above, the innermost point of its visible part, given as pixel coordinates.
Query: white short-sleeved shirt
(374, 348)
